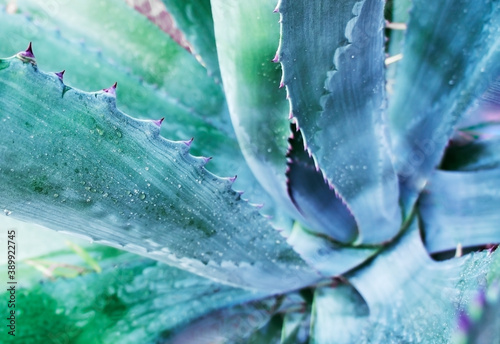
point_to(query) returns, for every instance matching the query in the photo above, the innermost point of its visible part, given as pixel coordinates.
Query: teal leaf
(194, 19)
(132, 301)
(295, 328)
(229, 325)
(324, 211)
(326, 256)
(333, 67)
(339, 313)
(414, 299)
(144, 194)
(460, 208)
(435, 85)
(159, 78)
(258, 108)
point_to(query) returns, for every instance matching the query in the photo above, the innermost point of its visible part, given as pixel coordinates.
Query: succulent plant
(375, 153)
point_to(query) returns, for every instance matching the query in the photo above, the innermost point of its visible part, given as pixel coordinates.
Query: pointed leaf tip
(188, 142)
(29, 52)
(111, 90)
(276, 58)
(282, 84)
(159, 122)
(27, 55)
(60, 75)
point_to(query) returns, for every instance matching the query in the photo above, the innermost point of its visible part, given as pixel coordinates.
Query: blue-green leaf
(132, 301)
(70, 160)
(159, 78)
(450, 58)
(461, 208)
(414, 299)
(332, 54)
(338, 314)
(194, 19)
(326, 256)
(258, 108)
(324, 211)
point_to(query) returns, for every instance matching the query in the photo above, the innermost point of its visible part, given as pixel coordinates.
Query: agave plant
(373, 149)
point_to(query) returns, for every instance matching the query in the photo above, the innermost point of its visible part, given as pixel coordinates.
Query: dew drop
(142, 196)
(7, 212)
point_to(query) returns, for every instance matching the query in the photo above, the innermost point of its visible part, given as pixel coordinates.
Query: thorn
(29, 52)
(188, 143)
(158, 122)
(290, 115)
(282, 84)
(276, 58)
(60, 74)
(111, 90)
(258, 205)
(232, 179)
(206, 160)
(27, 55)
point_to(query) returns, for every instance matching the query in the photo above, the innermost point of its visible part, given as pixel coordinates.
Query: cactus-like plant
(371, 170)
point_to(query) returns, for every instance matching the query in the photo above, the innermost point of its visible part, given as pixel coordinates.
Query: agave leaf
(258, 107)
(229, 325)
(118, 182)
(461, 208)
(324, 211)
(436, 86)
(156, 12)
(338, 314)
(131, 301)
(326, 256)
(162, 78)
(295, 328)
(194, 18)
(90, 68)
(414, 299)
(486, 109)
(339, 46)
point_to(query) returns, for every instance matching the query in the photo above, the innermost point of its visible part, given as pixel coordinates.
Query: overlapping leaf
(131, 301)
(333, 67)
(461, 208)
(450, 58)
(117, 181)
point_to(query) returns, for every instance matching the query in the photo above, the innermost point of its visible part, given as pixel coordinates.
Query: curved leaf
(339, 46)
(461, 208)
(450, 58)
(118, 182)
(326, 256)
(201, 114)
(414, 299)
(131, 301)
(324, 211)
(338, 314)
(258, 108)
(194, 18)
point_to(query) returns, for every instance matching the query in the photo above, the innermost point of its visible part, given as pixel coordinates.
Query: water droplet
(142, 196)
(179, 186)
(56, 195)
(146, 168)
(7, 212)
(451, 82)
